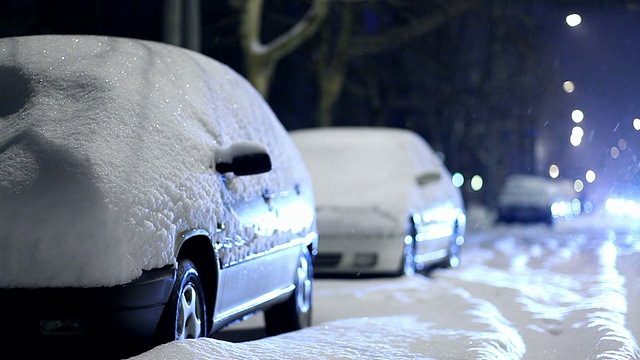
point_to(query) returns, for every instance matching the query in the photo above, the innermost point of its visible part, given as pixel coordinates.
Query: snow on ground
(523, 291)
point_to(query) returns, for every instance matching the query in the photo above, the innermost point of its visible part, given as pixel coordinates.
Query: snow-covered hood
(105, 154)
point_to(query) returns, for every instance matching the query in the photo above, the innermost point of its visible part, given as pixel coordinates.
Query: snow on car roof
(372, 167)
(105, 153)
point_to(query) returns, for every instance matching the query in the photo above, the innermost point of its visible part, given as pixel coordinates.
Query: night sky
(601, 57)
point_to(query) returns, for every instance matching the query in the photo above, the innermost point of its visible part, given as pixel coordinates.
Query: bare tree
(340, 43)
(181, 23)
(261, 58)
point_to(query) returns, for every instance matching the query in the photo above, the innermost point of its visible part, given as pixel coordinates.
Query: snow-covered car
(384, 200)
(146, 191)
(533, 198)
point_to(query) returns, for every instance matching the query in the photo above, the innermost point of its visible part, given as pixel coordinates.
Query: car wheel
(453, 260)
(295, 312)
(453, 253)
(409, 265)
(184, 316)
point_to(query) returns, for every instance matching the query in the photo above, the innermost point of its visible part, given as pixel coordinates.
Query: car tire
(453, 253)
(409, 266)
(453, 258)
(295, 312)
(184, 316)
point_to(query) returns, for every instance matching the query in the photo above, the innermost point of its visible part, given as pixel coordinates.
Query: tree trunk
(172, 22)
(261, 59)
(193, 25)
(332, 66)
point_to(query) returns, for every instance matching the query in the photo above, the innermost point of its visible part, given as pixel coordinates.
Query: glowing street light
(578, 185)
(476, 182)
(577, 131)
(568, 86)
(576, 136)
(573, 20)
(577, 116)
(575, 140)
(457, 179)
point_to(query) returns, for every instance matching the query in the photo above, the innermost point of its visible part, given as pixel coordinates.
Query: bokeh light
(568, 87)
(554, 171)
(588, 207)
(578, 185)
(575, 140)
(615, 152)
(577, 131)
(636, 124)
(577, 116)
(622, 144)
(476, 182)
(576, 136)
(590, 176)
(573, 20)
(457, 180)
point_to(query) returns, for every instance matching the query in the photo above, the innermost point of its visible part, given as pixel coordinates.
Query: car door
(255, 266)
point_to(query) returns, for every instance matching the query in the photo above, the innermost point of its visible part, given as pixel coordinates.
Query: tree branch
(421, 26)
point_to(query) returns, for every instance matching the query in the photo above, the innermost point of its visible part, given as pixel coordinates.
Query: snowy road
(523, 292)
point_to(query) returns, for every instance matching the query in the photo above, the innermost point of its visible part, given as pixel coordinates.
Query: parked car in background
(146, 191)
(385, 201)
(530, 198)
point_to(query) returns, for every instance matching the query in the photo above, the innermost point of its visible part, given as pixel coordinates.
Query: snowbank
(524, 291)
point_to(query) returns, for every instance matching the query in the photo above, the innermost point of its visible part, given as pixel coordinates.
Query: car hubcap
(190, 312)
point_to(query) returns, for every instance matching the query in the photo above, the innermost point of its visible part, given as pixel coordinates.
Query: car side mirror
(428, 177)
(243, 158)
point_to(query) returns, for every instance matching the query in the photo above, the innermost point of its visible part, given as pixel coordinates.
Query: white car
(145, 191)
(528, 198)
(385, 201)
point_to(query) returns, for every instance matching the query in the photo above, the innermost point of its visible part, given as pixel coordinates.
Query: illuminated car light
(576, 206)
(623, 207)
(434, 255)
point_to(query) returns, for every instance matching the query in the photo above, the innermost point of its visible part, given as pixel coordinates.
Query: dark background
(484, 89)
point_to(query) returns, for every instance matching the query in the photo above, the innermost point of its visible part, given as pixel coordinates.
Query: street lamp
(568, 86)
(573, 20)
(577, 116)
